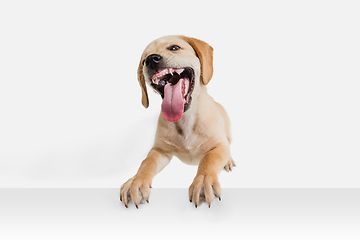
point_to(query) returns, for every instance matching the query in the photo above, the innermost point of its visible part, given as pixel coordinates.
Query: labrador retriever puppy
(191, 126)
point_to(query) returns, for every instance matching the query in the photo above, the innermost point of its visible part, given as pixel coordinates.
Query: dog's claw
(137, 207)
(147, 200)
(230, 165)
(219, 198)
(126, 206)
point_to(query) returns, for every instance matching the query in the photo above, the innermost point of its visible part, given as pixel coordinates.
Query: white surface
(287, 72)
(242, 214)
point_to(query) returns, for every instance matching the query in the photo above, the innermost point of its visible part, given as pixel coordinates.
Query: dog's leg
(206, 184)
(137, 187)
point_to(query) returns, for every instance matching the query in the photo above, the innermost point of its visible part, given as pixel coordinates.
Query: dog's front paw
(136, 189)
(204, 188)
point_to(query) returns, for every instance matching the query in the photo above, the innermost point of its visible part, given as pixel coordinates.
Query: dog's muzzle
(175, 86)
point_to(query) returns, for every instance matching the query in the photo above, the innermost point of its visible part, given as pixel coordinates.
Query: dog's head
(175, 67)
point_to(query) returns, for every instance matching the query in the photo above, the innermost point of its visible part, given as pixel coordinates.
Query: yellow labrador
(191, 126)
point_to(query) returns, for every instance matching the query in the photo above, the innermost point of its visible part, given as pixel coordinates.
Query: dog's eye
(174, 48)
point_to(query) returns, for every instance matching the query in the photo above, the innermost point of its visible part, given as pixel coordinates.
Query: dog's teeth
(160, 75)
(179, 71)
(186, 87)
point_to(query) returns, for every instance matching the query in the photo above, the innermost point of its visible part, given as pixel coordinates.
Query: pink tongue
(173, 106)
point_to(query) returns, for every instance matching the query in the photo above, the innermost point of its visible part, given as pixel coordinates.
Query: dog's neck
(190, 118)
(187, 122)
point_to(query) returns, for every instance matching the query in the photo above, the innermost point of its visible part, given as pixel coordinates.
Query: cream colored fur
(201, 137)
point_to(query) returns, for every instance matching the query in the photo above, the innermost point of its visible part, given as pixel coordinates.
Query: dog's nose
(152, 60)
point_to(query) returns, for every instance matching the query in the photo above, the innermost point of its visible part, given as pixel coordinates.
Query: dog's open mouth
(175, 85)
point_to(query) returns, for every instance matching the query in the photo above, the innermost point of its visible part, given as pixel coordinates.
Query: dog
(191, 126)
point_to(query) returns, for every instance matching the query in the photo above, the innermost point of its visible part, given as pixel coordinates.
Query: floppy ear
(205, 53)
(141, 79)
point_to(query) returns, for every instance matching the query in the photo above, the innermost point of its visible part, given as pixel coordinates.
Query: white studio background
(288, 73)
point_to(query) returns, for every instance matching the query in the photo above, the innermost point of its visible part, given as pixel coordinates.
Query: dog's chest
(189, 151)
(190, 145)
(186, 139)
